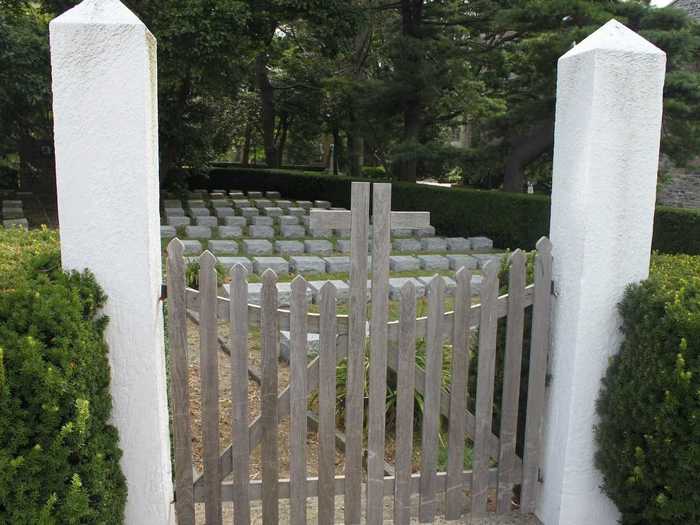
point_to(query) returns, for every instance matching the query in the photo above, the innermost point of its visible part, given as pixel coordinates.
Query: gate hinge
(553, 289)
(540, 476)
(163, 292)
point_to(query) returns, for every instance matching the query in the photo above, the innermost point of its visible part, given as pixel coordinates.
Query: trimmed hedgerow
(59, 457)
(512, 220)
(649, 432)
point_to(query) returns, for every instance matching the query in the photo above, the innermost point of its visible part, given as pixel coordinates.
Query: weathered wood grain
(209, 376)
(511, 381)
(484, 387)
(268, 392)
(239, 394)
(381, 238)
(454, 496)
(298, 402)
(404, 404)
(354, 401)
(539, 348)
(326, 406)
(180, 395)
(431, 401)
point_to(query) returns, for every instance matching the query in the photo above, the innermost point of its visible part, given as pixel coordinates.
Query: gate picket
(511, 380)
(404, 404)
(431, 401)
(209, 376)
(298, 402)
(381, 208)
(326, 407)
(355, 396)
(539, 347)
(177, 334)
(268, 393)
(239, 394)
(454, 497)
(484, 387)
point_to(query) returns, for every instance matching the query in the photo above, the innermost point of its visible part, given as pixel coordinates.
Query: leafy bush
(649, 432)
(192, 274)
(374, 172)
(512, 220)
(59, 458)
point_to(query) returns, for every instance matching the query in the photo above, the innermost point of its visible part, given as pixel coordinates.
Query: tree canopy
(414, 88)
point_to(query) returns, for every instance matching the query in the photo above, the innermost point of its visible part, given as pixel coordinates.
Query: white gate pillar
(606, 152)
(103, 63)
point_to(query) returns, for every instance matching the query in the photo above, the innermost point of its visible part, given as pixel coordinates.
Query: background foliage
(442, 88)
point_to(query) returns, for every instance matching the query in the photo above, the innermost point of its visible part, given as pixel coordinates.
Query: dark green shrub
(512, 220)
(649, 432)
(59, 458)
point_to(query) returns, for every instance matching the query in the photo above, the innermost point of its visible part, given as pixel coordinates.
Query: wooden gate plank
(511, 381)
(239, 394)
(268, 412)
(404, 404)
(326, 407)
(431, 401)
(484, 387)
(539, 348)
(209, 376)
(179, 374)
(354, 401)
(298, 402)
(454, 496)
(381, 210)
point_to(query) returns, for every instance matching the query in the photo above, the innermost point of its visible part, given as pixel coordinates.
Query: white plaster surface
(106, 136)
(608, 119)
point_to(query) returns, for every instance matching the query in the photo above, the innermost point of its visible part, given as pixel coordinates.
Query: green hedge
(59, 456)
(649, 432)
(511, 220)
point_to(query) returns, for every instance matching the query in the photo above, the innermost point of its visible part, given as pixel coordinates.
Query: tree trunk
(245, 155)
(525, 149)
(337, 150)
(268, 110)
(408, 168)
(169, 157)
(411, 19)
(356, 150)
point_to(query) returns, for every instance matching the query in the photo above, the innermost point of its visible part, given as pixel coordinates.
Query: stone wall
(681, 189)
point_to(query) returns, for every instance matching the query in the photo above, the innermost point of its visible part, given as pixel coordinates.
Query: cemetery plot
(296, 409)
(243, 227)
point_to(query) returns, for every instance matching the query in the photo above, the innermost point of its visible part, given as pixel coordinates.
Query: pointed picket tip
(99, 12)
(328, 288)
(614, 36)
(238, 272)
(207, 260)
(176, 248)
(516, 258)
(269, 277)
(491, 270)
(408, 291)
(544, 245)
(463, 275)
(437, 284)
(299, 284)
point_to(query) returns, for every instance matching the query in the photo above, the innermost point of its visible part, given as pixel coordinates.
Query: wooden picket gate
(496, 467)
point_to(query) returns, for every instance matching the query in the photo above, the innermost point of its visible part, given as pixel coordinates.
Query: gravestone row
(12, 213)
